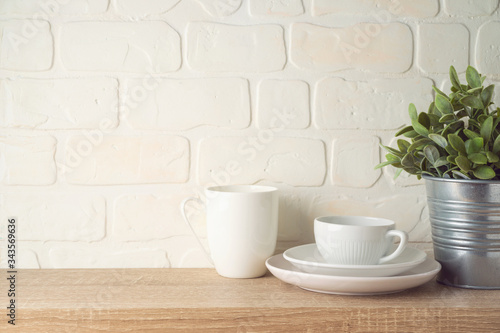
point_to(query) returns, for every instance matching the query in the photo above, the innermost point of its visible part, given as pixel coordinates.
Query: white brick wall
(152, 47)
(112, 112)
(215, 47)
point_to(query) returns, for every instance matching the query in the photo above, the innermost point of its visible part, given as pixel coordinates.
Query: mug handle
(186, 219)
(402, 244)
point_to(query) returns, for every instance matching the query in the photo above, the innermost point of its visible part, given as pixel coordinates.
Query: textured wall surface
(114, 111)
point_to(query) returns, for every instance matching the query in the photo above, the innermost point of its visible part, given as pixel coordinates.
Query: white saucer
(346, 285)
(308, 259)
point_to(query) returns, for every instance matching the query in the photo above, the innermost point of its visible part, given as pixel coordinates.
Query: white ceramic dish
(308, 259)
(346, 285)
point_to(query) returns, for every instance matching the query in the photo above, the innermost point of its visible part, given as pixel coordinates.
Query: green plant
(458, 136)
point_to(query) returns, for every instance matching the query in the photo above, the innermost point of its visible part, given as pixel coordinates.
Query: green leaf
(492, 158)
(433, 110)
(477, 158)
(424, 120)
(412, 111)
(496, 145)
(411, 134)
(441, 162)
(487, 94)
(487, 129)
(434, 119)
(403, 145)
(481, 118)
(484, 172)
(463, 163)
(473, 78)
(443, 104)
(472, 101)
(474, 145)
(470, 134)
(447, 118)
(411, 171)
(450, 150)
(392, 151)
(474, 124)
(391, 157)
(439, 91)
(457, 143)
(408, 161)
(454, 78)
(451, 159)
(474, 90)
(419, 128)
(383, 164)
(418, 143)
(431, 153)
(440, 140)
(459, 174)
(404, 130)
(452, 127)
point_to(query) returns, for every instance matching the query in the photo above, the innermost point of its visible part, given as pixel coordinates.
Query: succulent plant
(458, 136)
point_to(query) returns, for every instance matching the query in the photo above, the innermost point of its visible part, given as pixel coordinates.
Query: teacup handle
(184, 215)
(402, 244)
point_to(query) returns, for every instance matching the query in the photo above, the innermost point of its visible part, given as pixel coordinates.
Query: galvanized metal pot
(465, 221)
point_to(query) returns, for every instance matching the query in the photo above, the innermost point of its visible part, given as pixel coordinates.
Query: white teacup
(357, 240)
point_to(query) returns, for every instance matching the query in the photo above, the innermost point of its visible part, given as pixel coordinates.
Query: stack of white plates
(304, 267)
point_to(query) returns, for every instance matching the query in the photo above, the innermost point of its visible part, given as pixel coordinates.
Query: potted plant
(455, 147)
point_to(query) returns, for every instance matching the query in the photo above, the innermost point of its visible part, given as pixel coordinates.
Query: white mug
(357, 240)
(242, 228)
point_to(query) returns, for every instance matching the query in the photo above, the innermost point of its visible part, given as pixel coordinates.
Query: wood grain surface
(199, 300)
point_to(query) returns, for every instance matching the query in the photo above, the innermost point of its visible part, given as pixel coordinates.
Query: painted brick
(46, 8)
(59, 216)
(21, 40)
(215, 47)
(27, 259)
(67, 103)
(382, 10)
(140, 47)
(94, 257)
(496, 94)
(143, 8)
(291, 227)
(364, 46)
(470, 7)
(20, 154)
(185, 252)
(488, 48)
(147, 217)
(404, 210)
(248, 160)
(185, 104)
(96, 159)
(220, 8)
(442, 45)
(354, 158)
(377, 104)
(276, 98)
(281, 8)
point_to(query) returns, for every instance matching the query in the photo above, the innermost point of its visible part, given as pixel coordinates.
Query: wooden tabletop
(187, 300)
